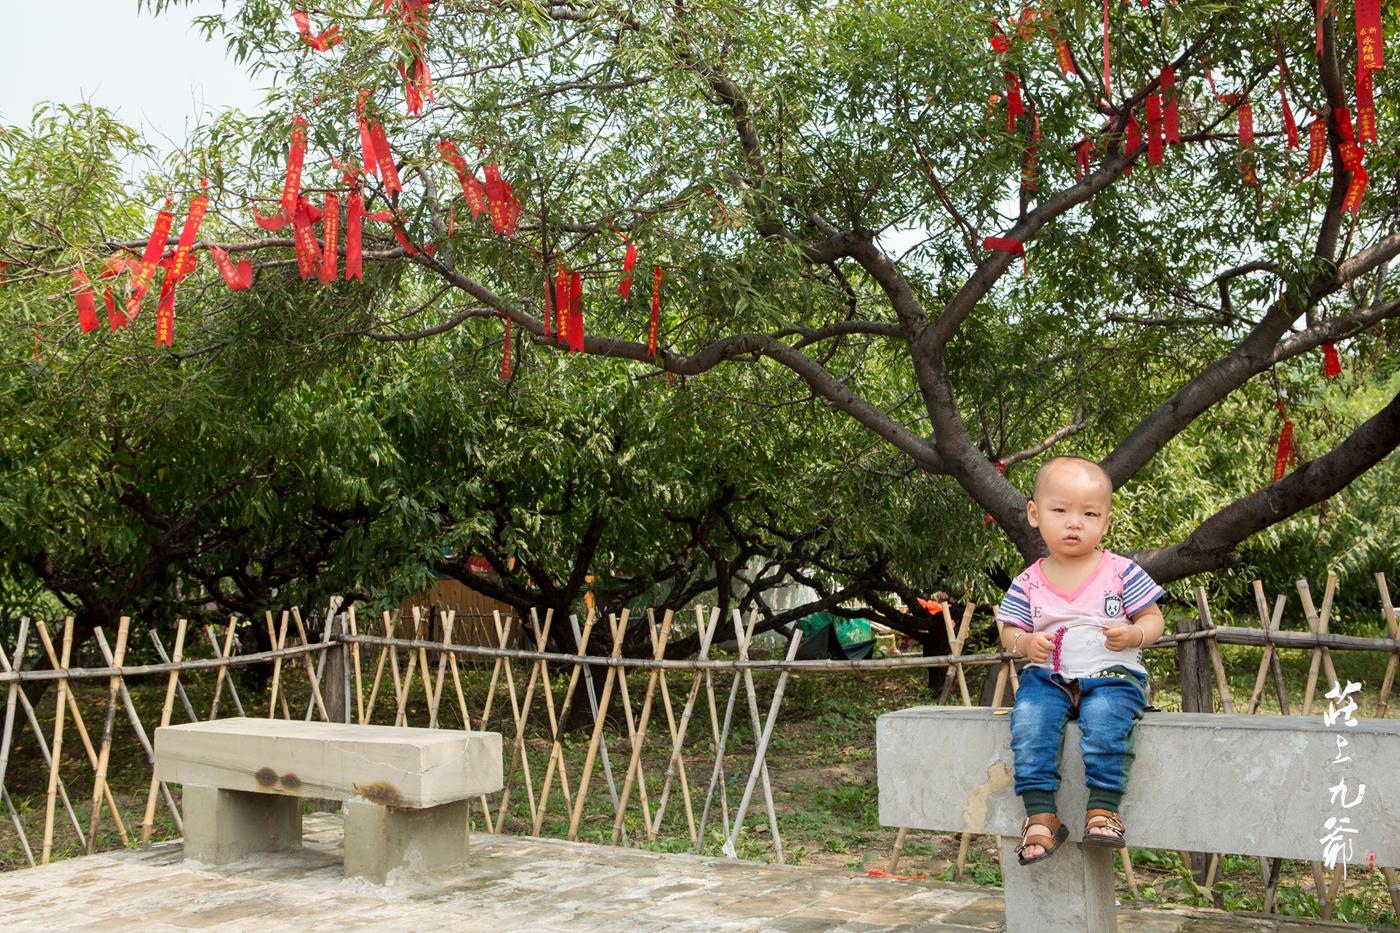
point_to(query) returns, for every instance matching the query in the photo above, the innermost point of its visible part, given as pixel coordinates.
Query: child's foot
(1103, 828)
(1041, 835)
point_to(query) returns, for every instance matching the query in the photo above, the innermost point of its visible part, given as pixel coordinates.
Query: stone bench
(1245, 785)
(406, 790)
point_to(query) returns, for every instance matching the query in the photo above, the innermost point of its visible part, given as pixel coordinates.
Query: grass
(822, 768)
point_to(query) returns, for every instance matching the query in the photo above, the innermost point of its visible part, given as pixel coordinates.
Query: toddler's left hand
(1121, 636)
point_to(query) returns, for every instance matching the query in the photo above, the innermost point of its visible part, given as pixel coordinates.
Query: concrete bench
(1245, 785)
(406, 790)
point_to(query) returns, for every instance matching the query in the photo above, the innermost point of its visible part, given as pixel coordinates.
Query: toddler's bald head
(1076, 470)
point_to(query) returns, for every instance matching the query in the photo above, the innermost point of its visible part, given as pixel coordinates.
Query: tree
(816, 182)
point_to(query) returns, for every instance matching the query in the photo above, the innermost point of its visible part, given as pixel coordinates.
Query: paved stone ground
(520, 884)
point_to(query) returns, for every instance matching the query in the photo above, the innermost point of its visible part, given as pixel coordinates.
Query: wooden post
(676, 761)
(81, 729)
(7, 737)
(1388, 610)
(639, 737)
(359, 675)
(224, 674)
(148, 822)
(105, 750)
(1269, 623)
(336, 701)
(59, 710)
(556, 750)
(581, 795)
(760, 763)
(1222, 683)
(40, 739)
(141, 736)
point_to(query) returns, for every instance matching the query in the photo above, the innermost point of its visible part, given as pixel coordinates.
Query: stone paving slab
(523, 884)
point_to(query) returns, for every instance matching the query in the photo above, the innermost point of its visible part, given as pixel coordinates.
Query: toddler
(1081, 616)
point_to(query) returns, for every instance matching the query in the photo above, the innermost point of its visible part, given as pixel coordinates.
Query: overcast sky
(156, 72)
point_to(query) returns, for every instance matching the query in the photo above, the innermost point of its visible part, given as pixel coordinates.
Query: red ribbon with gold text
(575, 313)
(505, 355)
(472, 189)
(330, 229)
(1352, 160)
(181, 265)
(155, 246)
(1370, 48)
(236, 278)
(1317, 145)
(655, 331)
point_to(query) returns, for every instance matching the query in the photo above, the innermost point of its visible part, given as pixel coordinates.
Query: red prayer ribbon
(385, 158)
(561, 306)
(1331, 362)
(575, 313)
(291, 186)
(87, 307)
(1154, 129)
(505, 355)
(1029, 181)
(1014, 104)
(1365, 108)
(1171, 118)
(1285, 445)
(1081, 158)
(1107, 84)
(655, 313)
(1321, 12)
(318, 41)
(1064, 58)
(1000, 44)
(1317, 145)
(304, 240)
(1370, 48)
(330, 228)
(1290, 125)
(1008, 245)
(624, 288)
(155, 246)
(236, 278)
(472, 189)
(181, 264)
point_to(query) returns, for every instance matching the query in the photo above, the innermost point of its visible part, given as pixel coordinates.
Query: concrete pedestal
(226, 825)
(1072, 891)
(382, 841)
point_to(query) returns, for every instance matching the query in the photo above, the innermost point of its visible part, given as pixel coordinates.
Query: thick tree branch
(1212, 545)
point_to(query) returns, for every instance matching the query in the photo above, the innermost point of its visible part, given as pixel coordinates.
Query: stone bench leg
(223, 826)
(1071, 890)
(380, 840)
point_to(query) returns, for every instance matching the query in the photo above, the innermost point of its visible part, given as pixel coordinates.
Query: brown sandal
(1099, 820)
(1047, 843)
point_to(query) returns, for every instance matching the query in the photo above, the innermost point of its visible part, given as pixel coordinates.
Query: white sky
(157, 72)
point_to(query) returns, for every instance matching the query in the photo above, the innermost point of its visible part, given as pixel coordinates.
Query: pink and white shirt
(1116, 590)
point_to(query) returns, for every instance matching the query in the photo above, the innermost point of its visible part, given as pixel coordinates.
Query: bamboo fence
(407, 669)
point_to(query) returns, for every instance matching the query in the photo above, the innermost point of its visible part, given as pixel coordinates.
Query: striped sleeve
(1139, 590)
(1015, 609)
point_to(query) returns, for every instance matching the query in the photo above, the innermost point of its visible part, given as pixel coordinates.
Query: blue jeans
(1109, 707)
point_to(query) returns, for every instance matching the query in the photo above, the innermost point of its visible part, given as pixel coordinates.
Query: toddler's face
(1071, 509)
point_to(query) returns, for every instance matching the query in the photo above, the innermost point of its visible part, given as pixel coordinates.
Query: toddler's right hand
(1040, 647)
